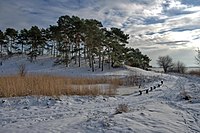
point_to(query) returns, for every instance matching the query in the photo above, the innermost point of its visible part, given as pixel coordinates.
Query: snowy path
(162, 110)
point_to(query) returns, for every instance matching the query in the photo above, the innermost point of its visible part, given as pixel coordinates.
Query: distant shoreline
(160, 69)
(186, 67)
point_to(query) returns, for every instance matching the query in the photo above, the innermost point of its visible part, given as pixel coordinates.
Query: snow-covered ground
(45, 65)
(163, 110)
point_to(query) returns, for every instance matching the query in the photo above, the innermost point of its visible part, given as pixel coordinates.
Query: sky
(156, 27)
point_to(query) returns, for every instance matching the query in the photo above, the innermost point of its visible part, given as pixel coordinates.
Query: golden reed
(46, 85)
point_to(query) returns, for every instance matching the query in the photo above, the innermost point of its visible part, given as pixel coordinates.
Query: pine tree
(73, 39)
(78, 25)
(54, 34)
(92, 39)
(23, 39)
(36, 41)
(11, 37)
(118, 43)
(67, 36)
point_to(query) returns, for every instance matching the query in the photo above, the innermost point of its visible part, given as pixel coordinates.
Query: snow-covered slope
(45, 65)
(163, 110)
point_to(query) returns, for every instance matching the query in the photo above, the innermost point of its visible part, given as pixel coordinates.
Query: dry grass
(100, 80)
(11, 86)
(195, 72)
(132, 80)
(122, 108)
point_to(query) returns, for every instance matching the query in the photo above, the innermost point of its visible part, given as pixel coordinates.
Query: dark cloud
(191, 2)
(153, 20)
(149, 48)
(143, 2)
(186, 28)
(174, 43)
(175, 12)
(197, 37)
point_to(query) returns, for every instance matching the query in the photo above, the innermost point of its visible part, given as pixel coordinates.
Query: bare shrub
(22, 70)
(195, 72)
(178, 67)
(122, 108)
(198, 56)
(184, 95)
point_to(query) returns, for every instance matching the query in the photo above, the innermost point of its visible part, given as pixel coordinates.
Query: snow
(163, 110)
(45, 65)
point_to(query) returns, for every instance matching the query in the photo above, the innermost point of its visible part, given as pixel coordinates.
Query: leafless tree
(165, 62)
(179, 67)
(198, 56)
(22, 70)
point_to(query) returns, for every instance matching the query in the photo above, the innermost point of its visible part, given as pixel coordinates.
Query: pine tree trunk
(92, 63)
(99, 59)
(42, 51)
(75, 57)
(85, 53)
(109, 59)
(1, 50)
(11, 45)
(79, 57)
(66, 59)
(22, 48)
(54, 49)
(102, 63)
(89, 57)
(51, 51)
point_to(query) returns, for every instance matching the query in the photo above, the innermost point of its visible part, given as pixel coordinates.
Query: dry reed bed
(46, 85)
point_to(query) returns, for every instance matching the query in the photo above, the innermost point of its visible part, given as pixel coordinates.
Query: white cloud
(165, 26)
